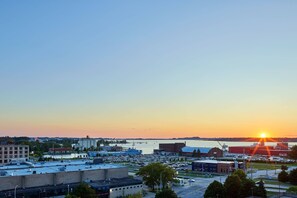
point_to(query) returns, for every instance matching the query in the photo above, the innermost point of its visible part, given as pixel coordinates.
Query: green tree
(260, 190)
(247, 187)
(232, 186)
(194, 153)
(83, 191)
(198, 154)
(215, 189)
(292, 189)
(166, 193)
(283, 176)
(156, 174)
(240, 173)
(293, 152)
(293, 176)
(284, 167)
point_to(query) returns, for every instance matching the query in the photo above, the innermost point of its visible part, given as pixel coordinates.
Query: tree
(232, 186)
(166, 193)
(284, 167)
(156, 174)
(292, 189)
(215, 189)
(83, 191)
(293, 176)
(198, 153)
(194, 153)
(283, 176)
(293, 152)
(260, 190)
(247, 188)
(240, 173)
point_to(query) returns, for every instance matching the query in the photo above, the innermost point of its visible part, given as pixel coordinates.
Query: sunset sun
(263, 135)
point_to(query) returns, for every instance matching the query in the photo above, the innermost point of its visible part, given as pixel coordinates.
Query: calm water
(147, 146)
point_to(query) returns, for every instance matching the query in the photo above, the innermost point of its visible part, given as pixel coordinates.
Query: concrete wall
(10, 182)
(117, 173)
(67, 177)
(38, 180)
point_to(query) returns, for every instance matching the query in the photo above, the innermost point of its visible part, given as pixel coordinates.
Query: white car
(191, 180)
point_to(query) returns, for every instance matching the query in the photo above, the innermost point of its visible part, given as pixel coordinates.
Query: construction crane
(224, 148)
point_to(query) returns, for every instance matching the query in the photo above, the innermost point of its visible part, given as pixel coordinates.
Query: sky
(148, 68)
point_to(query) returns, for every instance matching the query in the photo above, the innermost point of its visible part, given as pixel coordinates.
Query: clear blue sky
(148, 68)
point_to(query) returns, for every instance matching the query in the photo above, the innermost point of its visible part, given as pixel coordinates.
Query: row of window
(116, 189)
(13, 156)
(11, 152)
(13, 148)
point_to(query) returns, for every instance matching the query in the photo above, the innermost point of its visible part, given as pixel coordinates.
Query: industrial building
(128, 152)
(214, 166)
(191, 151)
(86, 143)
(11, 152)
(58, 178)
(280, 149)
(171, 148)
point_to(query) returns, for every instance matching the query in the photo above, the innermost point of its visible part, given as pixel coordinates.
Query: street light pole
(161, 180)
(15, 190)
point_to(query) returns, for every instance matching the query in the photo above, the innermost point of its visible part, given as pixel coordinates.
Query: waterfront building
(86, 143)
(169, 148)
(190, 151)
(280, 149)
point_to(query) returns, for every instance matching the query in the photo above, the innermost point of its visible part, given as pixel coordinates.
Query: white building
(86, 143)
(11, 152)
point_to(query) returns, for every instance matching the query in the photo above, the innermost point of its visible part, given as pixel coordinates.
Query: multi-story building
(86, 143)
(11, 152)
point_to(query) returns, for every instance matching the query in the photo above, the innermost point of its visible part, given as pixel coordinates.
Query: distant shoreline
(249, 139)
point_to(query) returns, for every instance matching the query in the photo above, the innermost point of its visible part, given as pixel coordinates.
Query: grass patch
(268, 165)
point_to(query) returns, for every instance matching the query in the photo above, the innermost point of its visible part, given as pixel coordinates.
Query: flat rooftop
(53, 167)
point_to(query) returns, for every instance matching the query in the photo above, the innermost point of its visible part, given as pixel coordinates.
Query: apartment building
(11, 152)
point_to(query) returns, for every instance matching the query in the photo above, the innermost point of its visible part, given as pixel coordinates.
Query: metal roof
(190, 149)
(54, 167)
